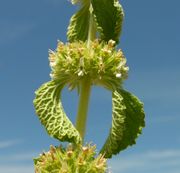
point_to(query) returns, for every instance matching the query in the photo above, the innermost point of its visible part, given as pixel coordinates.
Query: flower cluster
(79, 160)
(102, 64)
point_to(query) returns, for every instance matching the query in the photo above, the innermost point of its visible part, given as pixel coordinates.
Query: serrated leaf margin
(127, 122)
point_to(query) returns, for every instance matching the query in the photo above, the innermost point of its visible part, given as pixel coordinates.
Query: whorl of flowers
(79, 160)
(102, 64)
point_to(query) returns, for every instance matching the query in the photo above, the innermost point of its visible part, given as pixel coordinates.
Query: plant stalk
(85, 91)
(85, 88)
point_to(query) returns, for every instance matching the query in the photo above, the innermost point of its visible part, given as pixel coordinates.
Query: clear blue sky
(151, 43)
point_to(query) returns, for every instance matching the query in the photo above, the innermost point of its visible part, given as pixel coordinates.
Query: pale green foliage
(79, 160)
(90, 56)
(127, 122)
(108, 17)
(102, 65)
(51, 113)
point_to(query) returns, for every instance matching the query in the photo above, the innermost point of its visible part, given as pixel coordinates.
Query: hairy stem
(85, 91)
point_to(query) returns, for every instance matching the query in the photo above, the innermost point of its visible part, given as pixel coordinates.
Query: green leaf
(79, 25)
(127, 122)
(51, 113)
(109, 17)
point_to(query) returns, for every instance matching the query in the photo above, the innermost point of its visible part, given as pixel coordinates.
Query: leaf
(109, 17)
(79, 25)
(127, 122)
(51, 113)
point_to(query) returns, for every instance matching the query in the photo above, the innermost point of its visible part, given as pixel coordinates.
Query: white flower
(118, 75)
(80, 73)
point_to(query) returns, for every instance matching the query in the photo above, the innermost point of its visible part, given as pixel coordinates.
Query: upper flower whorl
(101, 64)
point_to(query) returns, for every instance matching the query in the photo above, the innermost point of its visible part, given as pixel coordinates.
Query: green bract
(101, 64)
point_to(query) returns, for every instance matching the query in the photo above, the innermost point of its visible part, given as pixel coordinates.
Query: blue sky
(151, 43)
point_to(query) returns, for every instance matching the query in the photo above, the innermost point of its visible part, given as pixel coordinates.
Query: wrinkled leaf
(79, 25)
(51, 113)
(127, 122)
(109, 17)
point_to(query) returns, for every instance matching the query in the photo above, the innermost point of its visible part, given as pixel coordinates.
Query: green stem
(85, 91)
(85, 88)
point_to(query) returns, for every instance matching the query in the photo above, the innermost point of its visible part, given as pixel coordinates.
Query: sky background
(150, 41)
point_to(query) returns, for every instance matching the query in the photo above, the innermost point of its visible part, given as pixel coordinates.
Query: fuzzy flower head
(102, 64)
(80, 160)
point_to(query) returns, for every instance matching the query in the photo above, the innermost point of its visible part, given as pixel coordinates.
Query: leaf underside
(79, 25)
(127, 123)
(109, 17)
(51, 113)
